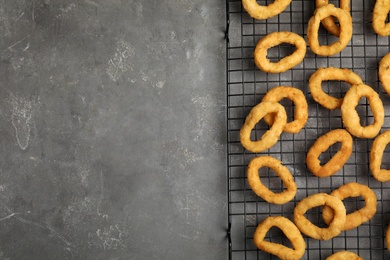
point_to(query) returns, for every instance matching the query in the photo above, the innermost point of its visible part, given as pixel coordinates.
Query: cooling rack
(246, 86)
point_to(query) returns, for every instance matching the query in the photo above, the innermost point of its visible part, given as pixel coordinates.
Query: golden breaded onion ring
(301, 108)
(286, 63)
(376, 156)
(329, 22)
(344, 255)
(360, 216)
(271, 136)
(345, 20)
(261, 12)
(261, 190)
(323, 74)
(311, 230)
(384, 72)
(321, 145)
(350, 116)
(379, 16)
(291, 232)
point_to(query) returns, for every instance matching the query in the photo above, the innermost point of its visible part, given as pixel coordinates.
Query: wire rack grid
(246, 86)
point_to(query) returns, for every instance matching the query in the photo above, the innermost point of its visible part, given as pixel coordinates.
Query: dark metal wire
(246, 86)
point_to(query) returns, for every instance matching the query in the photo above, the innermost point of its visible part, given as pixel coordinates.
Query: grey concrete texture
(112, 129)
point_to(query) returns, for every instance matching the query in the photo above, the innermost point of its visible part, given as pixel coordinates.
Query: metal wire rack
(246, 86)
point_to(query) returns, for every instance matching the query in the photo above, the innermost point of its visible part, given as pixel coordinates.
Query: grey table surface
(112, 129)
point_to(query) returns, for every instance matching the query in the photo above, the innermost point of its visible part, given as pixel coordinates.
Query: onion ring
(321, 145)
(376, 155)
(291, 232)
(288, 62)
(384, 72)
(331, 73)
(328, 22)
(344, 255)
(260, 12)
(261, 190)
(379, 16)
(271, 136)
(350, 116)
(311, 230)
(360, 216)
(345, 20)
(298, 98)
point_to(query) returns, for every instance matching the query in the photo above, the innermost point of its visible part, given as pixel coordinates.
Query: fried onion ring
(345, 20)
(260, 12)
(360, 216)
(321, 145)
(274, 39)
(328, 22)
(379, 16)
(330, 73)
(376, 155)
(291, 232)
(311, 230)
(344, 255)
(301, 108)
(350, 116)
(271, 136)
(261, 190)
(384, 72)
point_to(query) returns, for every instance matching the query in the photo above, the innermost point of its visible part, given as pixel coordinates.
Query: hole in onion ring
(335, 88)
(314, 215)
(259, 130)
(276, 235)
(329, 153)
(273, 183)
(365, 112)
(289, 107)
(276, 53)
(354, 204)
(326, 38)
